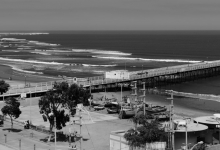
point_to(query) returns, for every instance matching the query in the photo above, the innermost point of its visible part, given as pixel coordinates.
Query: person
(26, 124)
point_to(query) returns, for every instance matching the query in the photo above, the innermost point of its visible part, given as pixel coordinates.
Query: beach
(87, 54)
(13, 77)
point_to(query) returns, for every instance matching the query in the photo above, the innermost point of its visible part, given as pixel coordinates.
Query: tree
(3, 87)
(76, 95)
(11, 109)
(59, 98)
(148, 131)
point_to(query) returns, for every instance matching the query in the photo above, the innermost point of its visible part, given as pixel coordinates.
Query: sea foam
(41, 53)
(31, 61)
(144, 59)
(91, 65)
(100, 52)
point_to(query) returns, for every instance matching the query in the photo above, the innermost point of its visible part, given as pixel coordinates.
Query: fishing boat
(96, 103)
(97, 108)
(113, 107)
(155, 109)
(126, 112)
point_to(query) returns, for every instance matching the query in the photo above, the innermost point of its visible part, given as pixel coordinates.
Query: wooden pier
(151, 77)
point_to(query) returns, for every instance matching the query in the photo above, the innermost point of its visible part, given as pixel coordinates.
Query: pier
(151, 78)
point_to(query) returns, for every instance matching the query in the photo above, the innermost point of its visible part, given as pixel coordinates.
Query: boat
(113, 107)
(97, 108)
(155, 109)
(161, 116)
(126, 112)
(96, 103)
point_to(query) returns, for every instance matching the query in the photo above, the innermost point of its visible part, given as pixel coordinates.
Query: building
(117, 74)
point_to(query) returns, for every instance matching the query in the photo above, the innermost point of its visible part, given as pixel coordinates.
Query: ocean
(91, 53)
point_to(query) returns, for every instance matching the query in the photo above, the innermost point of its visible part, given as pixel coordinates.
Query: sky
(43, 15)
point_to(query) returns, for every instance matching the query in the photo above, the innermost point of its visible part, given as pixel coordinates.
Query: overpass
(151, 77)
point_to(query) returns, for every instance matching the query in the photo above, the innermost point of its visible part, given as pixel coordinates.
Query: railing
(99, 80)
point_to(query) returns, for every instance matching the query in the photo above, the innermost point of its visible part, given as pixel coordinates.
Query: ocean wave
(144, 59)
(18, 33)
(12, 39)
(25, 71)
(10, 51)
(100, 52)
(40, 53)
(60, 51)
(42, 43)
(21, 70)
(31, 61)
(91, 65)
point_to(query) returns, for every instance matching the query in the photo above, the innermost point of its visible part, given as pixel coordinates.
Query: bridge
(151, 77)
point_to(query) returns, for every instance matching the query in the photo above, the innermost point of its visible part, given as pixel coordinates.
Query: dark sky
(109, 15)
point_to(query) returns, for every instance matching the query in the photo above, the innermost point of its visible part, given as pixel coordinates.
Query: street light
(201, 142)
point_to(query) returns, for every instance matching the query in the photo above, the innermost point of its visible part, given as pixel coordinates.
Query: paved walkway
(95, 134)
(2, 147)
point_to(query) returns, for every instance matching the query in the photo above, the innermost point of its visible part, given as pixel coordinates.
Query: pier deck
(149, 76)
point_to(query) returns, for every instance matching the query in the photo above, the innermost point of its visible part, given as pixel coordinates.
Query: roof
(209, 120)
(191, 126)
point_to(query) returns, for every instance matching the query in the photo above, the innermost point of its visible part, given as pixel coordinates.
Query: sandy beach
(22, 77)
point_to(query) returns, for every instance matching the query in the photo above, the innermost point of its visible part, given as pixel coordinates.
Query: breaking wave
(31, 61)
(90, 65)
(42, 53)
(10, 51)
(42, 43)
(144, 59)
(21, 70)
(100, 52)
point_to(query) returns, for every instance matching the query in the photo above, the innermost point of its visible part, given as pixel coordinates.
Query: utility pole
(143, 97)
(80, 123)
(121, 93)
(186, 137)
(171, 120)
(30, 123)
(25, 81)
(135, 95)
(55, 130)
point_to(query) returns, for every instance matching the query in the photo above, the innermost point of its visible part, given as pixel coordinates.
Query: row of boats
(128, 110)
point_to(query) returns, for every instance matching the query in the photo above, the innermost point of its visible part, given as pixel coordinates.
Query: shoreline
(17, 77)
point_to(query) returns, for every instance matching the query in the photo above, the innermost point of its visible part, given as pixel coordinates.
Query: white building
(117, 74)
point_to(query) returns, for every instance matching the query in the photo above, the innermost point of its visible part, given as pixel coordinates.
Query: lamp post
(201, 142)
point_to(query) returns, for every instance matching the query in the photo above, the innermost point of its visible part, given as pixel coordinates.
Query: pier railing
(101, 80)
